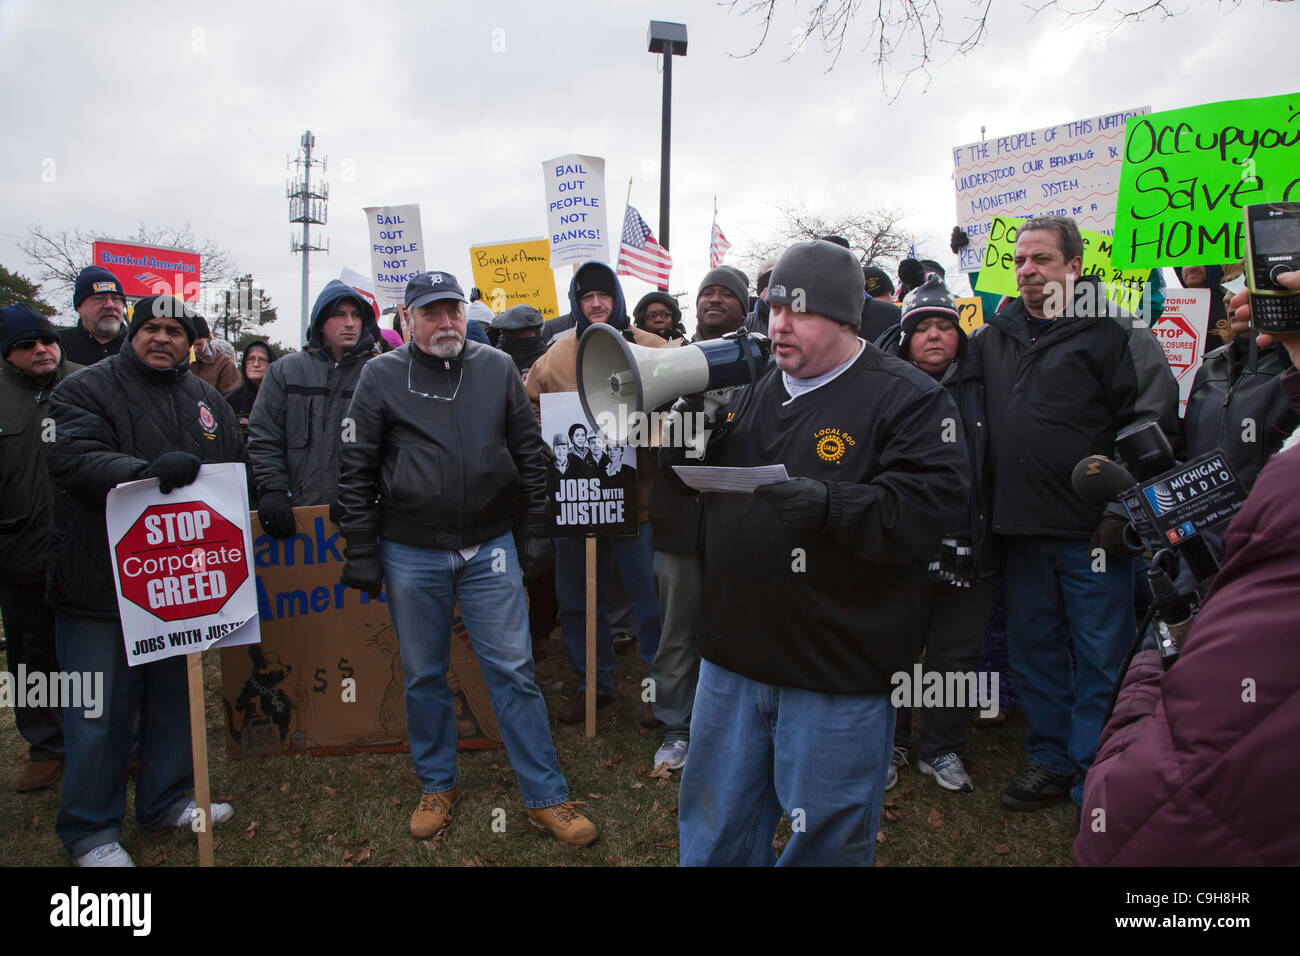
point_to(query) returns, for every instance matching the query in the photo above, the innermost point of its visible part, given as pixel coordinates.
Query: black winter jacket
(111, 422)
(839, 610)
(447, 474)
(296, 427)
(24, 477)
(1059, 397)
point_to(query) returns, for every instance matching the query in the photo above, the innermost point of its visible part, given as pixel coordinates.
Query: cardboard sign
(592, 481)
(998, 271)
(396, 249)
(575, 209)
(971, 310)
(517, 272)
(1179, 504)
(1181, 332)
(150, 270)
(183, 564)
(1066, 170)
(1188, 173)
(327, 677)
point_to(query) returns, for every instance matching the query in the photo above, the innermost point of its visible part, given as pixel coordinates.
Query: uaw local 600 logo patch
(207, 421)
(832, 443)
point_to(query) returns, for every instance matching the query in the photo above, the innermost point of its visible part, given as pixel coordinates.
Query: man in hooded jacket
(595, 296)
(296, 429)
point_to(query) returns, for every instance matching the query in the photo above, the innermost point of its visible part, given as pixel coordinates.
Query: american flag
(718, 245)
(639, 254)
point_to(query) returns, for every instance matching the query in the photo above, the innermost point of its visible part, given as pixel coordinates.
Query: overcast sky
(175, 112)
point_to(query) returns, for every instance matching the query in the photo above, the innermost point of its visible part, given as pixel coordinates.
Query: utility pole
(308, 206)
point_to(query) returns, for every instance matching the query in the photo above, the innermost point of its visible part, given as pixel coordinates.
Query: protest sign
(150, 270)
(575, 209)
(1181, 332)
(396, 249)
(971, 310)
(592, 481)
(183, 564)
(1066, 170)
(998, 271)
(364, 285)
(327, 677)
(1187, 174)
(517, 272)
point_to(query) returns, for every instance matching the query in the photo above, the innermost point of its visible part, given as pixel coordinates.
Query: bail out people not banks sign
(575, 209)
(396, 249)
(183, 564)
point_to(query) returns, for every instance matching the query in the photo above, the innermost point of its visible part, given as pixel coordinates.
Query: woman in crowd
(258, 357)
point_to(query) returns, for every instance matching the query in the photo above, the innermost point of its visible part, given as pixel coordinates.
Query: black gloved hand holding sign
(175, 469)
(802, 503)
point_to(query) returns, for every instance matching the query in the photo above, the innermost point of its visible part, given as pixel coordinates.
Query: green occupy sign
(998, 271)
(1188, 173)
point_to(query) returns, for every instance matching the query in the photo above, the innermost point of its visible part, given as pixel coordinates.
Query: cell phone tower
(308, 204)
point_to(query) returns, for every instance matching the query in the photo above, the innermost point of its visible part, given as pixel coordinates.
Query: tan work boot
(39, 775)
(431, 814)
(568, 825)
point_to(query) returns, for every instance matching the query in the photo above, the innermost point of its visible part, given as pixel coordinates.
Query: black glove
(276, 514)
(362, 569)
(175, 469)
(536, 558)
(335, 513)
(959, 240)
(802, 503)
(1109, 536)
(955, 564)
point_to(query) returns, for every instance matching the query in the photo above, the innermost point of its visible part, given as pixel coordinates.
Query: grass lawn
(354, 810)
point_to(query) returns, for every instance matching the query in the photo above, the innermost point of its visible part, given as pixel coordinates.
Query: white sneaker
(673, 753)
(897, 759)
(221, 812)
(110, 854)
(948, 772)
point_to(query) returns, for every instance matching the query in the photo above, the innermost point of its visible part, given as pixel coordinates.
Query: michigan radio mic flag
(639, 254)
(718, 244)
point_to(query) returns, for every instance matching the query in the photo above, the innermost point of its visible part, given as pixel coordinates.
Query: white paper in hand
(737, 480)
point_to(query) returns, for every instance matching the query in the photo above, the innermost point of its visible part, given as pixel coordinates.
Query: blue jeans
(635, 557)
(758, 750)
(97, 751)
(424, 585)
(1059, 608)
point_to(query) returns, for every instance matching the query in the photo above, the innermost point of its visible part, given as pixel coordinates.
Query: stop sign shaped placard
(181, 560)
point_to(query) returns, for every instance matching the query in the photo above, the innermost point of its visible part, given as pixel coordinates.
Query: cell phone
(1272, 248)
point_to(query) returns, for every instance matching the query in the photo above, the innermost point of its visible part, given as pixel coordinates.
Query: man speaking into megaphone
(816, 585)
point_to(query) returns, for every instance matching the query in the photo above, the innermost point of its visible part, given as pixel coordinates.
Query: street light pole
(668, 39)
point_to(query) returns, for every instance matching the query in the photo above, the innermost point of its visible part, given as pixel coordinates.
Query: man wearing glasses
(33, 365)
(447, 458)
(101, 313)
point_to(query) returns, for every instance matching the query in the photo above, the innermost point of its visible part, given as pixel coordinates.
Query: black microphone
(1176, 614)
(1098, 480)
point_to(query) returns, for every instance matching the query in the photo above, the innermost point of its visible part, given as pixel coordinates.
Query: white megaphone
(619, 381)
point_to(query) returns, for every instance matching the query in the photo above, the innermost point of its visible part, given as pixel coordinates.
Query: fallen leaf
(1002, 849)
(297, 832)
(284, 787)
(638, 785)
(661, 783)
(935, 819)
(499, 785)
(618, 758)
(891, 803)
(609, 860)
(670, 844)
(329, 791)
(661, 771)
(36, 821)
(294, 844)
(595, 796)
(880, 837)
(893, 815)
(251, 831)
(609, 765)
(558, 686)
(397, 801)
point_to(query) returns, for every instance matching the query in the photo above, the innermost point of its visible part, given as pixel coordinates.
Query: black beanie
(22, 323)
(664, 299)
(930, 299)
(877, 282)
(163, 306)
(731, 279)
(92, 280)
(821, 277)
(595, 278)
(201, 330)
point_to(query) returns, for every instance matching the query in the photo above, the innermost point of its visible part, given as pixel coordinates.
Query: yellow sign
(971, 311)
(998, 271)
(517, 272)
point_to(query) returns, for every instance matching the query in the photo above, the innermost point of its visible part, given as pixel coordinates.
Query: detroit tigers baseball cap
(432, 286)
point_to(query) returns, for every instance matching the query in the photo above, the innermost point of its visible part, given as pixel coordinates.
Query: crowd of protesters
(928, 524)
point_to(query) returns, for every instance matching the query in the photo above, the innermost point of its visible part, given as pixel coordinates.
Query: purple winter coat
(1200, 766)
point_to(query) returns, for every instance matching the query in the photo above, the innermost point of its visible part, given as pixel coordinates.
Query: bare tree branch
(875, 236)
